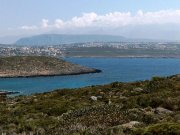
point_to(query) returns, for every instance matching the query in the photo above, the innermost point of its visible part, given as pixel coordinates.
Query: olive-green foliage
(160, 129)
(159, 83)
(72, 111)
(29, 66)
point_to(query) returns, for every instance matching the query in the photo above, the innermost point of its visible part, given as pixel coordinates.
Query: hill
(28, 66)
(137, 108)
(56, 39)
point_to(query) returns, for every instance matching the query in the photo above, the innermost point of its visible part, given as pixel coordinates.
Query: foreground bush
(97, 110)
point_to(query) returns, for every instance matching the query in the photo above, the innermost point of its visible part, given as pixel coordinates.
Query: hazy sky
(158, 19)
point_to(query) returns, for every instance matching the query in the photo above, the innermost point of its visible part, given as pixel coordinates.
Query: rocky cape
(35, 66)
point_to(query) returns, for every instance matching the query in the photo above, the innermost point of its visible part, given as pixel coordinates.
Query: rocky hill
(56, 39)
(29, 66)
(138, 108)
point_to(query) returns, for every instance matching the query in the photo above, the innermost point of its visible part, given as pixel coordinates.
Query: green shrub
(160, 129)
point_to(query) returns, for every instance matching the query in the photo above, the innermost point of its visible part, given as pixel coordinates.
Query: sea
(113, 69)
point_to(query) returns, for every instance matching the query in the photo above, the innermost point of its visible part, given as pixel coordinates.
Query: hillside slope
(27, 66)
(138, 108)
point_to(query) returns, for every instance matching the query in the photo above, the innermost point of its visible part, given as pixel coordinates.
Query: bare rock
(138, 89)
(131, 124)
(94, 98)
(161, 110)
(119, 129)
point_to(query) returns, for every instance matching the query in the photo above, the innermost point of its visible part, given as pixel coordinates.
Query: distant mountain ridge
(56, 39)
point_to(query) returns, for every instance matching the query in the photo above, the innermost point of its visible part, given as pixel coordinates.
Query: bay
(113, 69)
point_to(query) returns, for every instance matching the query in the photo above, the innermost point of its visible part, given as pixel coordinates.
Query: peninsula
(34, 66)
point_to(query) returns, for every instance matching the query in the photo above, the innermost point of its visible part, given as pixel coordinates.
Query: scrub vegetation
(150, 107)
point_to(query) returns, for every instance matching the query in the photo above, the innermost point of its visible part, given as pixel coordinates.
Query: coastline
(52, 75)
(154, 57)
(5, 93)
(133, 107)
(37, 66)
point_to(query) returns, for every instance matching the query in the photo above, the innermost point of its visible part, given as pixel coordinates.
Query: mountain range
(56, 39)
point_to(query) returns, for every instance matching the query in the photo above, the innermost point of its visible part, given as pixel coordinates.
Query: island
(34, 66)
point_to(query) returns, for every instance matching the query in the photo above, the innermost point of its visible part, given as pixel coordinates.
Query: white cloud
(59, 23)
(111, 20)
(86, 20)
(45, 23)
(29, 27)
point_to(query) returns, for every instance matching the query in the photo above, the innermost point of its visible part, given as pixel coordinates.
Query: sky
(150, 19)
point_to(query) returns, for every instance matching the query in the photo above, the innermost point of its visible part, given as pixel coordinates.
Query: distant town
(96, 49)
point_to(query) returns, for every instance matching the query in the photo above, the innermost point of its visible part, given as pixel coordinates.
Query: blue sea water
(114, 69)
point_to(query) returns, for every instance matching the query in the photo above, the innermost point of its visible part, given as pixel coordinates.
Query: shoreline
(154, 57)
(5, 93)
(37, 66)
(126, 107)
(52, 75)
